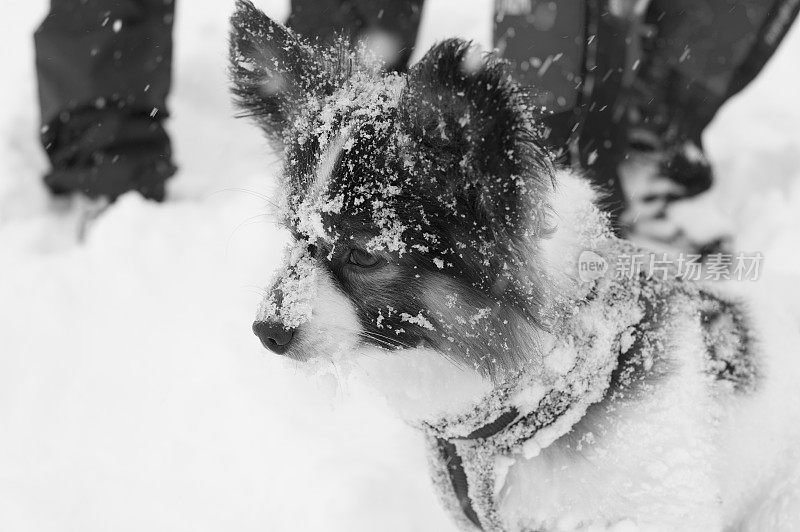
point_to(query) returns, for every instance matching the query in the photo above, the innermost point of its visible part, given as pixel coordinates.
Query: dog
(436, 242)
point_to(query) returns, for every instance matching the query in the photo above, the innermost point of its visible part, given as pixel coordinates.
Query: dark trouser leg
(396, 22)
(573, 56)
(705, 52)
(104, 69)
(701, 52)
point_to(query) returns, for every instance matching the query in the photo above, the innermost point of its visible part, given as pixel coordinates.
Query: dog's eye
(363, 259)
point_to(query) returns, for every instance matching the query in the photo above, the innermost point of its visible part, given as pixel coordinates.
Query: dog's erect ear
(273, 71)
(465, 105)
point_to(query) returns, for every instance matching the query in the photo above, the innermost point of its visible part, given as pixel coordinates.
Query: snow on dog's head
(417, 202)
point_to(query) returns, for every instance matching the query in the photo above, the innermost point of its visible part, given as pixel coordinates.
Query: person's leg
(104, 69)
(704, 52)
(573, 55)
(390, 26)
(699, 53)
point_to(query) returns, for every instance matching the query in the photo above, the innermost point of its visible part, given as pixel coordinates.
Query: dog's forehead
(344, 168)
(364, 99)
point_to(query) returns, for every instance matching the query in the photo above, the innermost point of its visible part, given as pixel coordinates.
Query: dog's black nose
(274, 336)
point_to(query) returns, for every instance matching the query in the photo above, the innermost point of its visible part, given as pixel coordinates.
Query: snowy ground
(133, 395)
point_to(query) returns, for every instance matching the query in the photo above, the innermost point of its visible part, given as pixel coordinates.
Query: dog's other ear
(273, 71)
(465, 107)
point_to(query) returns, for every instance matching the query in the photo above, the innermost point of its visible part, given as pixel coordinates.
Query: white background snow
(133, 395)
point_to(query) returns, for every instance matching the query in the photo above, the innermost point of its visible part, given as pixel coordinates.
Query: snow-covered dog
(436, 245)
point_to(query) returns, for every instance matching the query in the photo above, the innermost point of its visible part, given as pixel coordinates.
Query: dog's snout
(274, 336)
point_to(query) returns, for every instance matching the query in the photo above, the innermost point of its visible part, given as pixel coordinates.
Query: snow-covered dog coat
(614, 348)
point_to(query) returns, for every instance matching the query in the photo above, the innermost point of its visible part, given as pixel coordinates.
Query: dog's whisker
(390, 338)
(253, 193)
(252, 220)
(384, 343)
(259, 293)
(394, 342)
(260, 290)
(399, 343)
